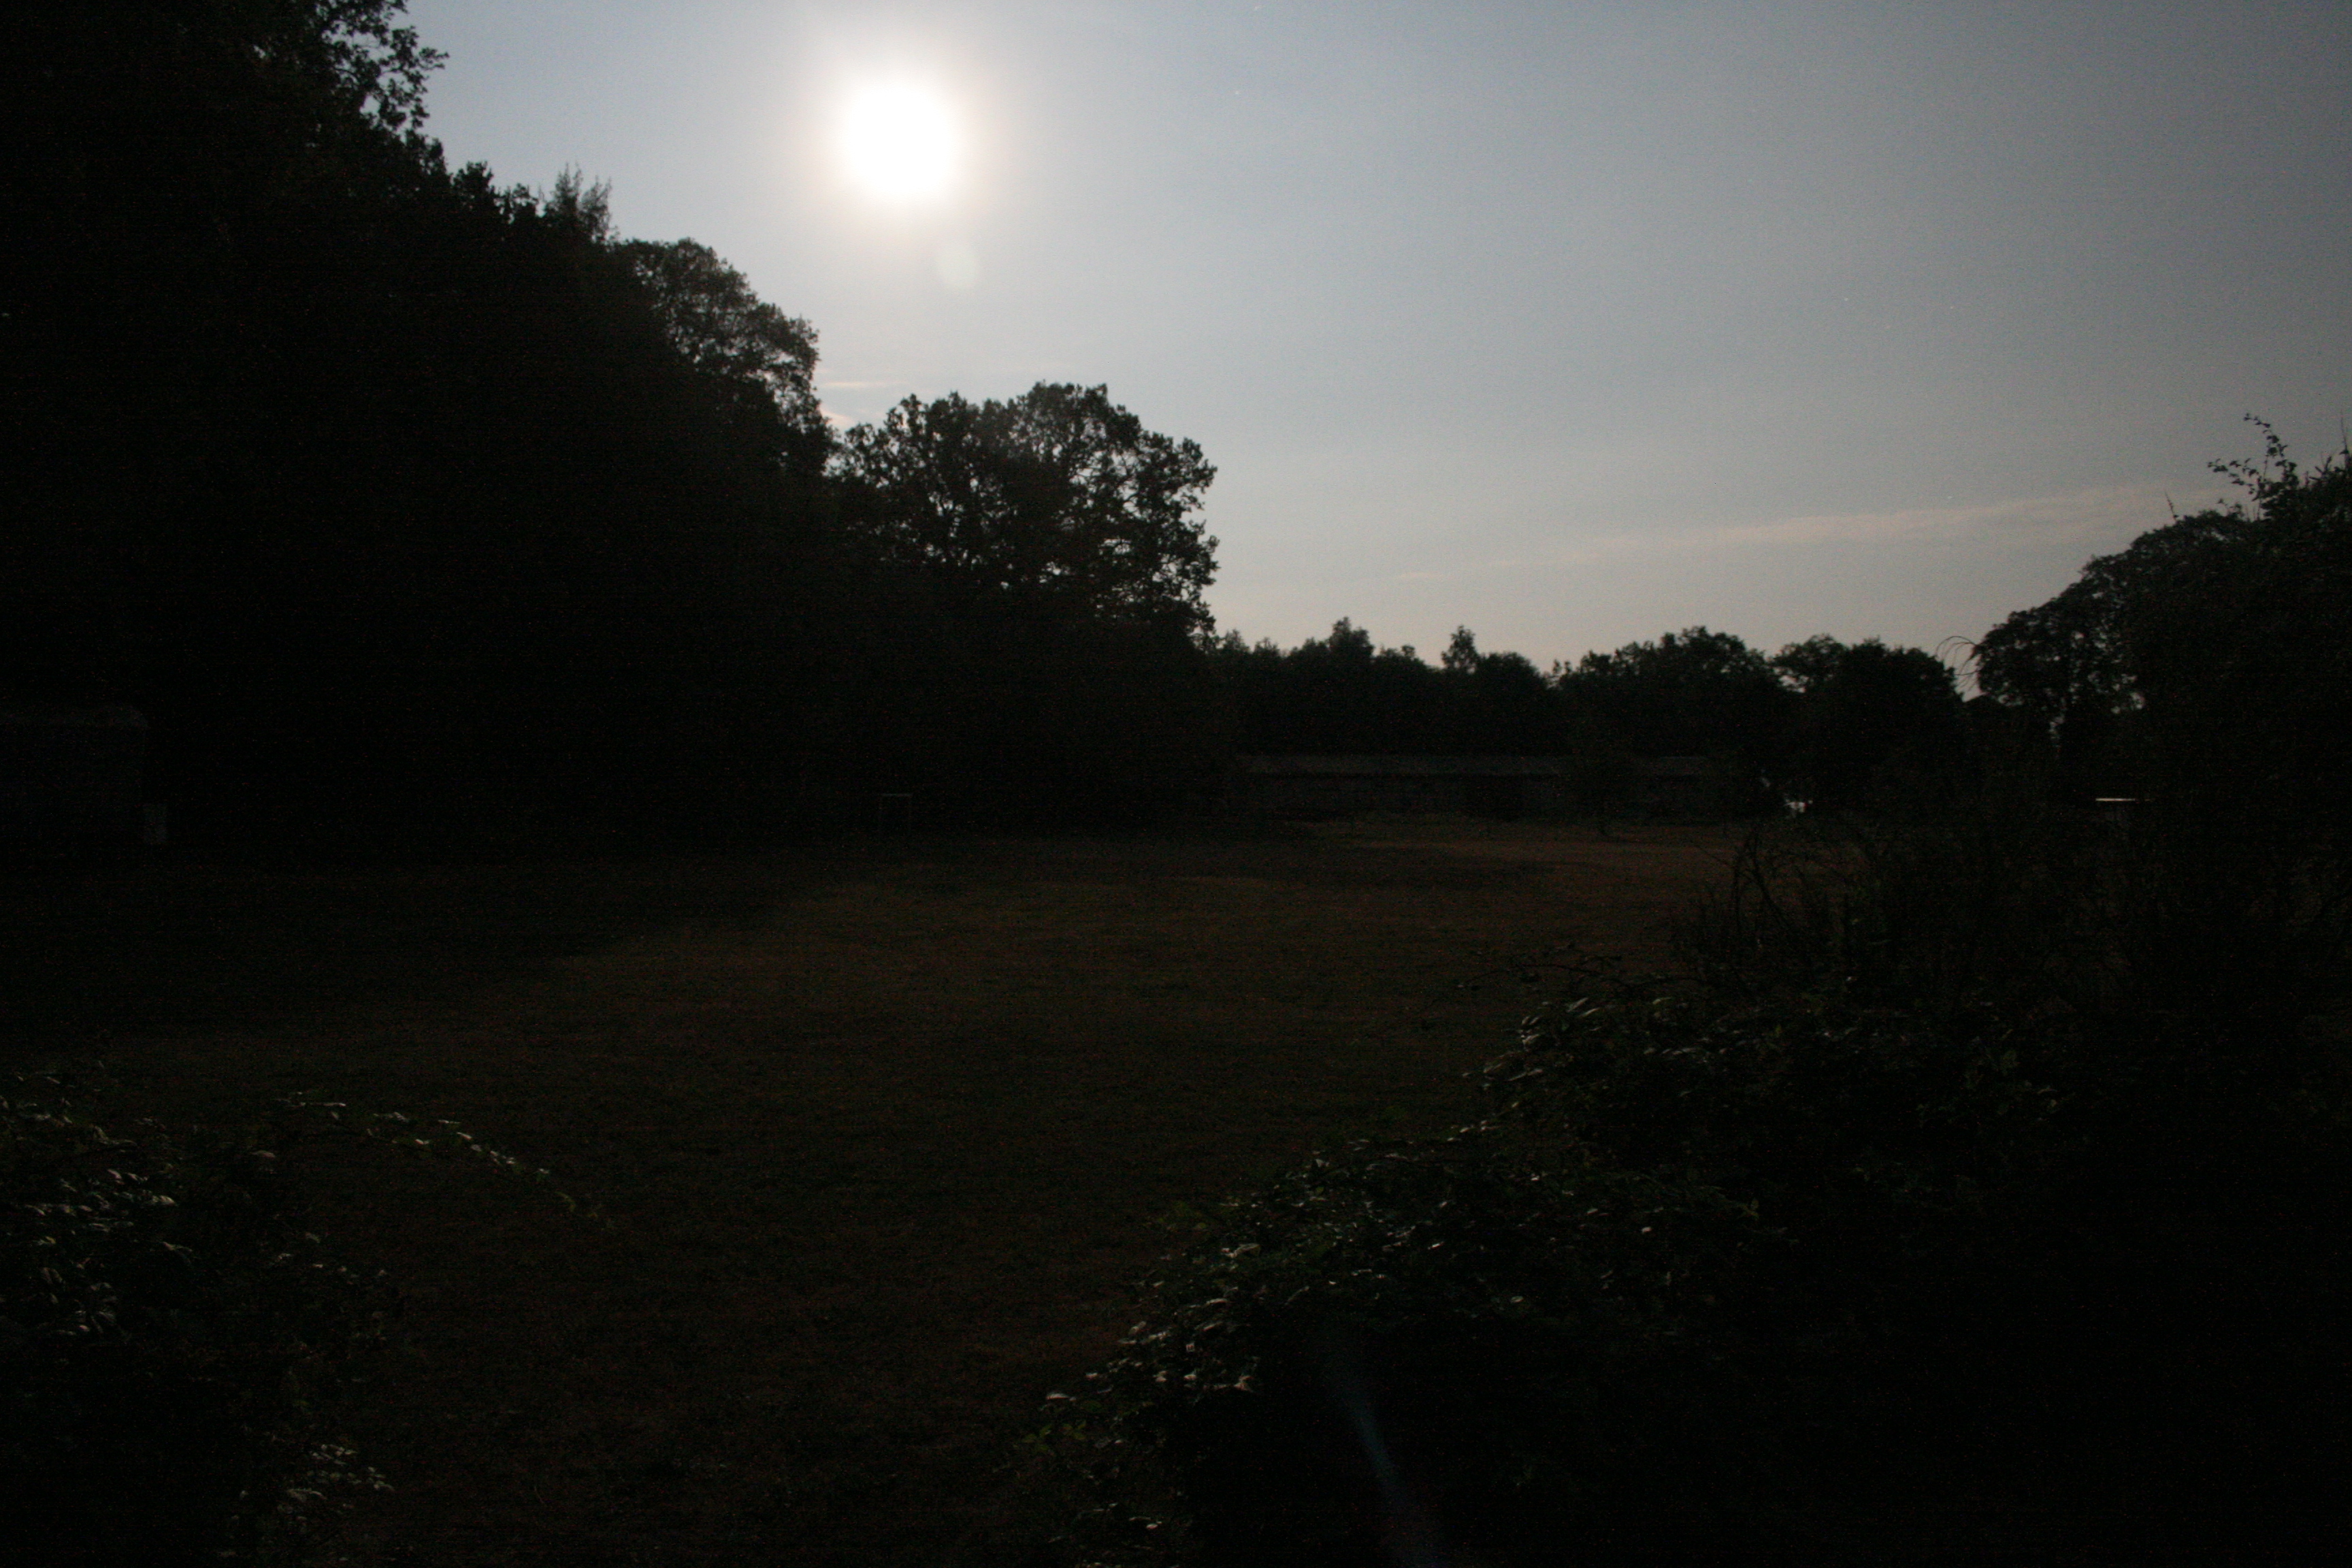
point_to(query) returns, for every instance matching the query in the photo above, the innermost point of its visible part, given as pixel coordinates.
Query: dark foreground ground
(885, 1133)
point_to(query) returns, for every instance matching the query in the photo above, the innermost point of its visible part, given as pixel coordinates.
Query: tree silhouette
(758, 359)
(1058, 495)
(1696, 692)
(2205, 672)
(1861, 708)
(2226, 615)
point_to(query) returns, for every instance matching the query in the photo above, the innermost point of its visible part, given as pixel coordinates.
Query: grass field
(886, 1131)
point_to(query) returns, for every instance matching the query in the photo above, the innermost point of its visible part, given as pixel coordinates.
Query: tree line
(410, 505)
(1818, 723)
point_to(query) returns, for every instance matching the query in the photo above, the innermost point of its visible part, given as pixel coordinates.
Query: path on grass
(887, 1134)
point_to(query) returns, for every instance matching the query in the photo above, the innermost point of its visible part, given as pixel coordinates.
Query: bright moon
(899, 143)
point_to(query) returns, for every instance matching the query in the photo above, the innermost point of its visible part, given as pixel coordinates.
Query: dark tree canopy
(1342, 693)
(2204, 672)
(2229, 620)
(754, 354)
(1696, 692)
(1059, 495)
(384, 492)
(387, 492)
(1337, 693)
(1862, 707)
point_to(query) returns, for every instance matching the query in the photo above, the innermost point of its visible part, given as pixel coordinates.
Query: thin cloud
(2071, 516)
(2095, 519)
(2086, 517)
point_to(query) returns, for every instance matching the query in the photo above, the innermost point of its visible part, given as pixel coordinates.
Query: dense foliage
(1970, 1196)
(178, 1350)
(1794, 1280)
(2219, 624)
(172, 1344)
(1822, 722)
(1058, 497)
(414, 510)
(2202, 674)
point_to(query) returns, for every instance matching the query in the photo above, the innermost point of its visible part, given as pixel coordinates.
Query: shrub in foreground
(1798, 1281)
(174, 1347)
(171, 1342)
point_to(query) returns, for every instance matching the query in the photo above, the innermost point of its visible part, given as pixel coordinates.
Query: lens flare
(899, 143)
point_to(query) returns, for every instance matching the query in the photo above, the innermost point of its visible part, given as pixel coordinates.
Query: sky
(1570, 324)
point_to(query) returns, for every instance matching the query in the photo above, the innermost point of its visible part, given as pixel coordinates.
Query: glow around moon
(899, 142)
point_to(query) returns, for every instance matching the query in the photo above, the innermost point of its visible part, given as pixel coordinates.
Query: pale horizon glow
(899, 142)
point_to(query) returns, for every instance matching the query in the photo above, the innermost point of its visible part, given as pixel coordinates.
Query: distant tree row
(1817, 721)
